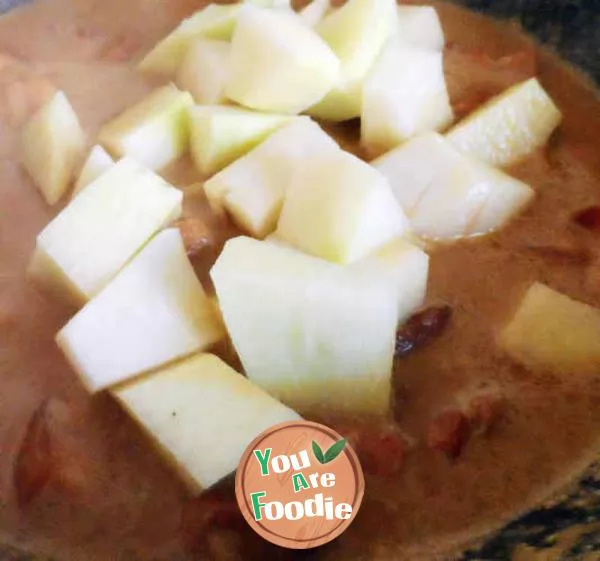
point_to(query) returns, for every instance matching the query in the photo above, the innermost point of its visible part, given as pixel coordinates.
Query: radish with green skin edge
(215, 21)
(98, 161)
(220, 135)
(102, 228)
(153, 312)
(509, 126)
(154, 132)
(356, 32)
(205, 71)
(53, 145)
(252, 188)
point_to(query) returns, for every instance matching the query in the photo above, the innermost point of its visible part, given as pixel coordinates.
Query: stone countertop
(566, 528)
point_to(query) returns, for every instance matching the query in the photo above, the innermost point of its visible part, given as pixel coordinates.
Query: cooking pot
(572, 28)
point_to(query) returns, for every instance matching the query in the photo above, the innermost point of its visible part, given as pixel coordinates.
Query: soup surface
(111, 497)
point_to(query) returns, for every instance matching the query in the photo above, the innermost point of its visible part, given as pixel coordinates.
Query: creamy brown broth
(117, 499)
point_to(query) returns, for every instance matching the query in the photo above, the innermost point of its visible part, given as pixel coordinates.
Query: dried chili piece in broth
(381, 448)
(588, 218)
(383, 452)
(476, 413)
(422, 328)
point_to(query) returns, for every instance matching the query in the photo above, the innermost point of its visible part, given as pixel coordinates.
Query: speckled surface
(567, 528)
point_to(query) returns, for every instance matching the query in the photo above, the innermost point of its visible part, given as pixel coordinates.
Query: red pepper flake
(422, 328)
(588, 218)
(381, 448)
(449, 432)
(384, 452)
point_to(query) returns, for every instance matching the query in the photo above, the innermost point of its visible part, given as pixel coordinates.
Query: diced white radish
(340, 209)
(205, 70)
(53, 147)
(409, 169)
(356, 32)
(404, 95)
(420, 27)
(316, 335)
(505, 201)
(152, 313)
(403, 263)
(552, 332)
(508, 127)
(103, 227)
(154, 132)
(276, 4)
(221, 135)
(215, 21)
(253, 187)
(315, 11)
(97, 163)
(278, 63)
(447, 195)
(180, 405)
(407, 267)
(451, 204)
(474, 199)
